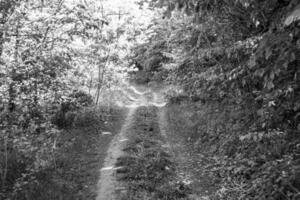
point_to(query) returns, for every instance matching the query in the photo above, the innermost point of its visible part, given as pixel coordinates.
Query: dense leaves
(55, 58)
(241, 59)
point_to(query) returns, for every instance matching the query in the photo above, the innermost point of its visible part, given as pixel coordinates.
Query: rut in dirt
(107, 183)
(108, 186)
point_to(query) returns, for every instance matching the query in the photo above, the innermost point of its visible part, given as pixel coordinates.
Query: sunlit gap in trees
(123, 27)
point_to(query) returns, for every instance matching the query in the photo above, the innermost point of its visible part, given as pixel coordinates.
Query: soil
(150, 146)
(107, 182)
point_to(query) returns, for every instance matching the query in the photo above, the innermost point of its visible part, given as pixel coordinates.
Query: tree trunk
(5, 167)
(101, 78)
(91, 84)
(12, 90)
(1, 41)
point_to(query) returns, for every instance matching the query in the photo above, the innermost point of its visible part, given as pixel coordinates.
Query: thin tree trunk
(5, 169)
(91, 84)
(7, 8)
(98, 85)
(101, 77)
(12, 91)
(1, 42)
(36, 76)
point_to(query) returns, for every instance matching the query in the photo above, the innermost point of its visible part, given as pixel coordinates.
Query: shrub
(251, 164)
(87, 117)
(65, 116)
(141, 77)
(82, 98)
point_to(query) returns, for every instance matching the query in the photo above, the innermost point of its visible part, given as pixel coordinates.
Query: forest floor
(150, 159)
(79, 161)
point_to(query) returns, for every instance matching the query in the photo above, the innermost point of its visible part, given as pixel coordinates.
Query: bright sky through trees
(126, 24)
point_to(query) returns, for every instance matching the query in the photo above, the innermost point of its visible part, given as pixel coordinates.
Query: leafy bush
(82, 98)
(88, 117)
(28, 141)
(67, 112)
(251, 164)
(140, 77)
(239, 62)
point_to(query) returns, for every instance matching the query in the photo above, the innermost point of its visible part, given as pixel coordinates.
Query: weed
(148, 171)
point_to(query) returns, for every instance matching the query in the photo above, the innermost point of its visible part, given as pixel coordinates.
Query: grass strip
(146, 170)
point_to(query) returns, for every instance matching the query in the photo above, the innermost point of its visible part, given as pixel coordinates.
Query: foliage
(240, 59)
(68, 109)
(53, 56)
(76, 161)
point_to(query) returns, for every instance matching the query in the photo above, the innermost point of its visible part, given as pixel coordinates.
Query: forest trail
(132, 99)
(107, 182)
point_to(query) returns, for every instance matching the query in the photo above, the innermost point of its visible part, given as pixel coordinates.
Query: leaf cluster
(241, 59)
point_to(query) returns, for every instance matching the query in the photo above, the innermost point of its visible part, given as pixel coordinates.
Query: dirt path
(140, 122)
(107, 183)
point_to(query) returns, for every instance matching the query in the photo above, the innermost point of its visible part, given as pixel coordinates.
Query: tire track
(108, 186)
(107, 183)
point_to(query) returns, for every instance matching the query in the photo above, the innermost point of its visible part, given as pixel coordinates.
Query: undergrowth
(147, 170)
(249, 164)
(240, 59)
(76, 156)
